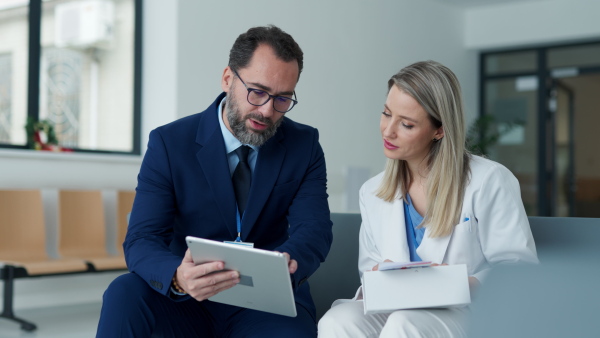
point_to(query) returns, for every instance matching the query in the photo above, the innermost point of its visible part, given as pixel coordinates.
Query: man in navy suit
(185, 189)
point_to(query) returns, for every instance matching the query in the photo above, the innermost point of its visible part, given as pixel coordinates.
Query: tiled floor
(73, 321)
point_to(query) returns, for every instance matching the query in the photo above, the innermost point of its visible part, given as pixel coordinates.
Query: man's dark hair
(283, 44)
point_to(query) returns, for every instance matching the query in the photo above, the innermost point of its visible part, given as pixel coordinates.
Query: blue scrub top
(414, 235)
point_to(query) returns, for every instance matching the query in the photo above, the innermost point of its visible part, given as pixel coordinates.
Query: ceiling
(479, 3)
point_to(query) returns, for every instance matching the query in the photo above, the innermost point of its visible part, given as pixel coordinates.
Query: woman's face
(406, 129)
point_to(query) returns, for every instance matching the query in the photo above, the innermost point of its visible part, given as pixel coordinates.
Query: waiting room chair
(124, 204)
(23, 251)
(82, 229)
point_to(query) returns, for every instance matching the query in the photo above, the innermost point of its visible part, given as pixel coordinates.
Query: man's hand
(292, 264)
(204, 280)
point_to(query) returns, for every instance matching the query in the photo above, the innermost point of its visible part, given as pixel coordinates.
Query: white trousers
(347, 319)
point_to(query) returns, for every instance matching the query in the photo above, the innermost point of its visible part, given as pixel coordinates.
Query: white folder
(429, 287)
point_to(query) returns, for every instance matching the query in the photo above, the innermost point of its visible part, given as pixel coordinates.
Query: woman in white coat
(433, 202)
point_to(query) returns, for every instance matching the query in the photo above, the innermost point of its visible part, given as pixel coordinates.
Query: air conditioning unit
(86, 23)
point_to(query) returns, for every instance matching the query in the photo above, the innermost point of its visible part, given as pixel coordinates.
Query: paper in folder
(405, 265)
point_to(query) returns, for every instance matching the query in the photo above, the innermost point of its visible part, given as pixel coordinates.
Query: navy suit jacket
(184, 188)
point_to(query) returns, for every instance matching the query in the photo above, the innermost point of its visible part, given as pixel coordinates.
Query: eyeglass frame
(250, 90)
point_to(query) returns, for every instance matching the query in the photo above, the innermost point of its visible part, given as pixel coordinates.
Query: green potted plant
(483, 134)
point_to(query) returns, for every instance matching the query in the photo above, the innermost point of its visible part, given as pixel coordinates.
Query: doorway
(544, 106)
(585, 184)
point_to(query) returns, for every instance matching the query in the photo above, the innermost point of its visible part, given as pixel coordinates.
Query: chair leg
(8, 275)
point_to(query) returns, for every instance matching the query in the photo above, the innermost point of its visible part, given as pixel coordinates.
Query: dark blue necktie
(242, 178)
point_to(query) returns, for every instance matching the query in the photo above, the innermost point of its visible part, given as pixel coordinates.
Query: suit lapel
(213, 160)
(268, 165)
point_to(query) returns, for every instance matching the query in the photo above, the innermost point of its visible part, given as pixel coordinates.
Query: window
(502, 63)
(75, 65)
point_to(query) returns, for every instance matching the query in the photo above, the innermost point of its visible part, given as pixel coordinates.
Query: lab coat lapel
(433, 249)
(396, 245)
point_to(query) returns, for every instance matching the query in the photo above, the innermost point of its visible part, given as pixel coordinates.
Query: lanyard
(238, 220)
(238, 240)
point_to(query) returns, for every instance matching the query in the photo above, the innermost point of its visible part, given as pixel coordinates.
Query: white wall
(351, 49)
(159, 61)
(532, 23)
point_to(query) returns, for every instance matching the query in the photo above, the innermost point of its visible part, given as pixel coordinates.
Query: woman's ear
(439, 134)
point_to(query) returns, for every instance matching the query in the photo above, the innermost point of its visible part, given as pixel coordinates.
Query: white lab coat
(497, 229)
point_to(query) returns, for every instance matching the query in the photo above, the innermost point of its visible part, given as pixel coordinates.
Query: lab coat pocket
(467, 248)
(468, 225)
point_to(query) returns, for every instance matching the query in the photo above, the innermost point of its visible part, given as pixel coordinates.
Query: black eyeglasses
(258, 97)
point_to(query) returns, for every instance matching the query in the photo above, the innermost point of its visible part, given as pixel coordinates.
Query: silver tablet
(265, 283)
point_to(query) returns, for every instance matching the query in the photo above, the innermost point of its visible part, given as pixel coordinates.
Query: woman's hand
(473, 285)
(376, 267)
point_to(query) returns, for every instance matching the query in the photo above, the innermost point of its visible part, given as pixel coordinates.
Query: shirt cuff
(173, 291)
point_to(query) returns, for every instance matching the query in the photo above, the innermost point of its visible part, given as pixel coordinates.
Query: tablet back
(265, 283)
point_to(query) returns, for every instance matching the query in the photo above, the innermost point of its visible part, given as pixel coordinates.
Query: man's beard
(238, 124)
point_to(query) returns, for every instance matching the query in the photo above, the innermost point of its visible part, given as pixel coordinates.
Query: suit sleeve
(309, 219)
(149, 233)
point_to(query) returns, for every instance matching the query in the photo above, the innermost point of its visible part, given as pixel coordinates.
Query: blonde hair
(437, 90)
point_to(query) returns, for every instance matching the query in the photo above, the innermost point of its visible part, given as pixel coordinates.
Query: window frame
(33, 81)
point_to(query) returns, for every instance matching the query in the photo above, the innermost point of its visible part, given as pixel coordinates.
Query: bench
(557, 298)
(555, 237)
(336, 278)
(81, 243)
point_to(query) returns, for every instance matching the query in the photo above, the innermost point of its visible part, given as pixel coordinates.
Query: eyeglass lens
(259, 97)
